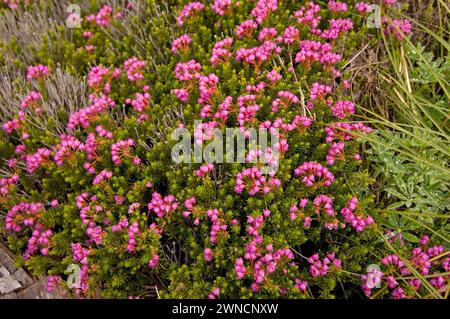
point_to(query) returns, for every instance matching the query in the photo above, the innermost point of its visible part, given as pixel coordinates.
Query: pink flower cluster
(363, 7)
(189, 205)
(134, 68)
(285, 98)
(162, 206)
(31, 101)
(204, 170)
(36, 160)
(221, 6)
(154, 261)
(99, 78)
(343, 108)
(337, 6)
(52, 282)
(336, 151)
(322, 267)
(141, 101)
(247, 109)
(314, 173)
(309, 16)
(291, 34)
(311, 51)
(181, 43)
(132, 232)
(122, 224)
(188, 71)
(121, 150)
(263, 9)
(245, 29)
(67, 147)
(102, 176)
(342, 131)
(274, 76)
(37, 72)
(207, 86)
(218, 225)
(259, 54)
(358, 222)
(253, 180)
(181, 94)
(221, 51)
(22, 214)
(84, 116)
(188, 11)
(103, 17)
(39, 240)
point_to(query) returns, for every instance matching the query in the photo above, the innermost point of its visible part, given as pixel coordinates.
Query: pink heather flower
(36, 160)
(88, 34)
(285, 98)
(31, 100)
(291, 35)
(274, 76)
(356, 221)
(221, 6)
(123, 223)
(132, 232)
(214, 293)
(311, 51)
(188, 11)
(342, 131)
(66, 148)
(343, 108)
(52, 282)
(141, 101)
(103, 17)
(221, 51)
(37, 72)
(240, 268)
(217, 227)
(23, 213)
(254, 181)
(154, 261)
(263, 9)
(104, 175)
(267, 34)
(205, 132)
(245, 29)
(54, 203)
(181, 43)
(134, 68)
(321, 267)
(10, 126)
(204, 170)
(363, 7)
(314, 173)
(336, 6)
(188, 71)
(162, 206)
(120, 150)
(309, 16)
(389, 2)
(181, 94)
(336, 151)
(337, 28)
(301, 285)
(208, 254)
(259, 54)
(84, 116)
(400, 28)
(207, 86)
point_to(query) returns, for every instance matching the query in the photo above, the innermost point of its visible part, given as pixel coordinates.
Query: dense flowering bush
(105, 195)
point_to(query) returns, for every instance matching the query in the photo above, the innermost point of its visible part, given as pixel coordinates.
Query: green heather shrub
(89, 180)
